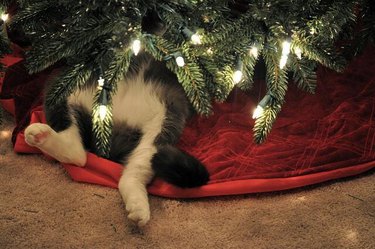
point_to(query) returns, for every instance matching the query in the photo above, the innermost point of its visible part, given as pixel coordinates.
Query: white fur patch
(137, 104)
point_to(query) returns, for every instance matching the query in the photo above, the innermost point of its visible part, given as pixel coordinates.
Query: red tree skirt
(316, 138)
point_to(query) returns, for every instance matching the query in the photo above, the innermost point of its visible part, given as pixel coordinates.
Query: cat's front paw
(36, 134)
(139, 211)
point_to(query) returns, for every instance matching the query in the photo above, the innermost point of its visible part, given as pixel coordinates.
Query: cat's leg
(65, 146)
(136, 175)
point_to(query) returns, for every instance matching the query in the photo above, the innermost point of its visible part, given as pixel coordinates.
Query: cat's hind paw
(36, 134)
(139, 212)
(65, 148)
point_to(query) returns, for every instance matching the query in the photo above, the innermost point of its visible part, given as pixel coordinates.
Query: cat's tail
(179, 168)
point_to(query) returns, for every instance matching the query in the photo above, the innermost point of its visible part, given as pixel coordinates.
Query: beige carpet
(41, 207)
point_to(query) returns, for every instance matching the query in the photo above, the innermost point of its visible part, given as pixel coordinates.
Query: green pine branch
(102, 129)
(249, 62)
(190, 76)
(304, 73)
(158, 47)
(45, 55)
(192, 81)
(328, 26)
(32, 13)
(71, 78)
(277, 85)
(276, 78)
(224, 77)
(219, 82)
(325, 55)
(263, 124)
(118, 68)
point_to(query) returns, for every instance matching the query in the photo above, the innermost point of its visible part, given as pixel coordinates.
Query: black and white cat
(149, 113)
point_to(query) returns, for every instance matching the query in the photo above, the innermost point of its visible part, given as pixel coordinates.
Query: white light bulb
(102, 111)
(298, 52)
(258, 112)
(136, 46)
(100, 82)
(237, 76)
(286, 48)
(254, 52)
(196, 39)
(180, 61)
(283, 61)
(4, 17)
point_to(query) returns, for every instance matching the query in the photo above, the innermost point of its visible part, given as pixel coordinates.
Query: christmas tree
(210, 45)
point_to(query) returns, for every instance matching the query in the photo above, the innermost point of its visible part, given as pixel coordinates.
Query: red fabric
(316, 138)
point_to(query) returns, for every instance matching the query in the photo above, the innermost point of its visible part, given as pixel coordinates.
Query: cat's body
(149, 113)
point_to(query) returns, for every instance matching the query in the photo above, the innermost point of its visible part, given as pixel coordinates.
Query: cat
(150, 109)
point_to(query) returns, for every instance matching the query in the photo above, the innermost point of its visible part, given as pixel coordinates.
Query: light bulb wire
(105, 89)
(267, 99)
(103, 97)
(187, 32)
(239, 64)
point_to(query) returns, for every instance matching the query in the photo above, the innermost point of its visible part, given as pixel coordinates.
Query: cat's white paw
(139, 210)
(65, 148)
(36, 134)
